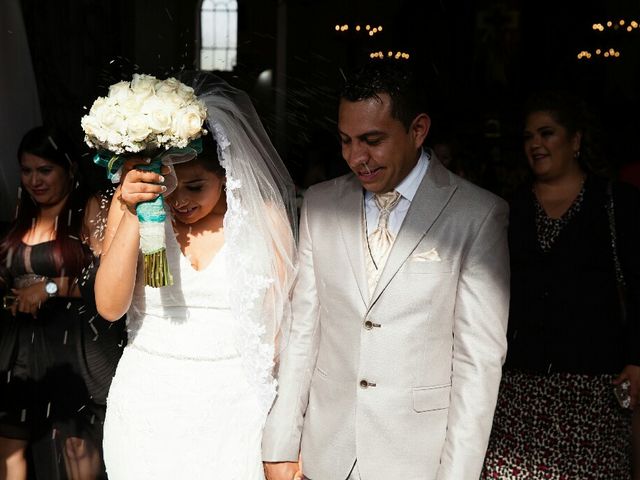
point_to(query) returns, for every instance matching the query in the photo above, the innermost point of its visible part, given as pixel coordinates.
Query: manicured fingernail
(147, 160)
(164, 189)
(161, 178)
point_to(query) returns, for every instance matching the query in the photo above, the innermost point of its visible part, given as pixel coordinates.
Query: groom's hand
(282, 470)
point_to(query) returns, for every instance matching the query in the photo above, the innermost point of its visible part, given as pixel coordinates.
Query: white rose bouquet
(162, 119)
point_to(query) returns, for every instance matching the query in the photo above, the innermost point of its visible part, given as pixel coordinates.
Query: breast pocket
(424, 267)
(428, 399)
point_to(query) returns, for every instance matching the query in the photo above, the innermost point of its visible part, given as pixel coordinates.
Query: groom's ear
(419, 129)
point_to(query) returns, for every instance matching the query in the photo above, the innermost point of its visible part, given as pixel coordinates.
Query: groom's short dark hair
(390, 76)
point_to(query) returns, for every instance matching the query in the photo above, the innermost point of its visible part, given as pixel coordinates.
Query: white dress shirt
(407, 189)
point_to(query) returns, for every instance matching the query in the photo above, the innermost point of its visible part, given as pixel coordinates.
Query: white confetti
(53, 144)
(9, 259)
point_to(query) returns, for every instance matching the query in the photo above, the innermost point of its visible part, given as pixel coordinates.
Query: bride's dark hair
(209, 156)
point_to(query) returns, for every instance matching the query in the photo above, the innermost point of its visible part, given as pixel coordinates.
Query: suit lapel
(349, 213)
(428, 203)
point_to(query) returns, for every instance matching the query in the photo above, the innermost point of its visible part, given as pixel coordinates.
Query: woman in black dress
(557, 416)
(48, 403)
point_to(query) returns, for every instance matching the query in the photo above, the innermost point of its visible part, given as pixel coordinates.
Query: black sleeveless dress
(63, 365)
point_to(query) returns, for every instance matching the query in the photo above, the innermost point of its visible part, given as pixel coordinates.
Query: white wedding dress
(181, 405)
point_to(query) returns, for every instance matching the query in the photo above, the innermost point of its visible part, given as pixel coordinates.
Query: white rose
(171, 99)
(187, 122)
(138, 127)
(95, 134)
(99, 102)
(114, 141)
(186, 93)
(90, 125)
(143, 85)
(119, 92)
(169, 85)
(158, 115)
(108, 116)
(131, 106)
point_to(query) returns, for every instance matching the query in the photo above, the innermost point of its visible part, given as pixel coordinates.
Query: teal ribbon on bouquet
(151, 214)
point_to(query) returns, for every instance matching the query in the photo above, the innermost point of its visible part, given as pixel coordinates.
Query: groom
(400, 308)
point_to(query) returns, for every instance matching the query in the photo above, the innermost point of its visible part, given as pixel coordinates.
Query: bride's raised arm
(116, 274)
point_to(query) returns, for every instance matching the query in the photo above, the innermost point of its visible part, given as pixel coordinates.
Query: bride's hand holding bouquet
(138, 185)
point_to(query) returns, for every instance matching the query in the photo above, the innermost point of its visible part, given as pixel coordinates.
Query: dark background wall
(479, 59)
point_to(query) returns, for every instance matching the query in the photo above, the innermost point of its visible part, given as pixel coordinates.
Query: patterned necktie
(381, 238)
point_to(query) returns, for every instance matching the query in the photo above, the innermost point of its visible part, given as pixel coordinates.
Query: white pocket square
(428, 256)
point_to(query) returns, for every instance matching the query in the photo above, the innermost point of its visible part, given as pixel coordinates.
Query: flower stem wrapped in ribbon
(151, 216)
(163, 119)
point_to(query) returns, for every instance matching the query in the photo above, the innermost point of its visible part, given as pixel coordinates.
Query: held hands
(282, 471)
(632, 374)
(139, 186)
(29, 299)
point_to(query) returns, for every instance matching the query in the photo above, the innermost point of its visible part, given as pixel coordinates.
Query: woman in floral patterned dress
(557, 416)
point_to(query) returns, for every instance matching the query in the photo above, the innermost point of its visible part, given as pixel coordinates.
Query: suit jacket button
(364, 384)
(368, 325)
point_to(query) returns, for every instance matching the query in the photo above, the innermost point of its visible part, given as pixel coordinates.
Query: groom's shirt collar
(407, 189)
(409, 186)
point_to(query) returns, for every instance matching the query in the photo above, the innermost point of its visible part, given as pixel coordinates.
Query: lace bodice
(190, 319)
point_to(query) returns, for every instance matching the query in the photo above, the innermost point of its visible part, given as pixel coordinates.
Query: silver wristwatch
(50, 287)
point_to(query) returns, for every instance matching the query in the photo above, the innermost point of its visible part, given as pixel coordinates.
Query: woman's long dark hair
(70, 254)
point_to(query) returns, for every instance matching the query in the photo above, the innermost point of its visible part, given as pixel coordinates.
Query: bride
(194, 385)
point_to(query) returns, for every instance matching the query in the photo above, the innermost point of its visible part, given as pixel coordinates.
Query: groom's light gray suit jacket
(405, 381)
